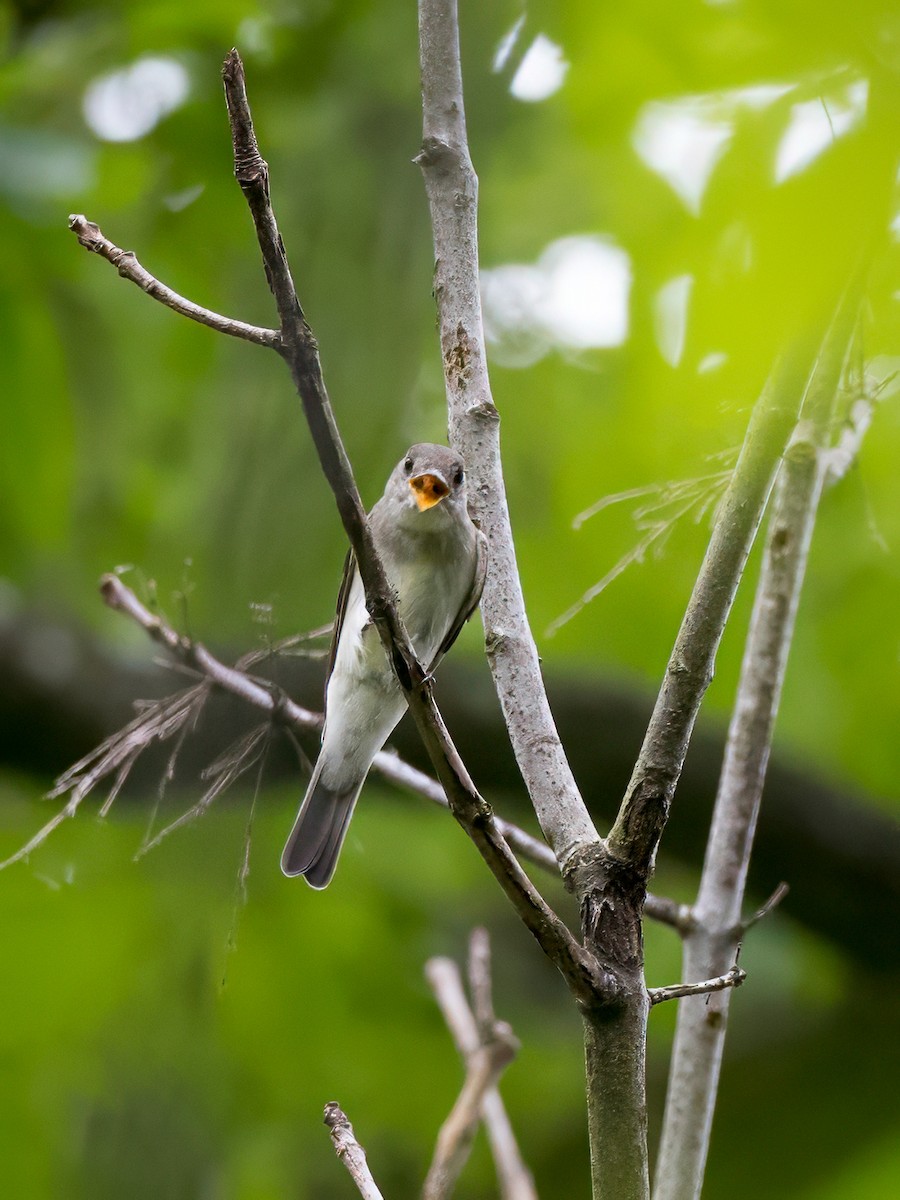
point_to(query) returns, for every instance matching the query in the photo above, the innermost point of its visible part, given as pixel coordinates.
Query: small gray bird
(435, 559)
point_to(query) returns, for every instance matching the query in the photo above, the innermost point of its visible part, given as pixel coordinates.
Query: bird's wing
(343, 595)
(470, 603)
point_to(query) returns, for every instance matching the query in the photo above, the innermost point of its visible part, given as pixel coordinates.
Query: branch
(487, 1049)
(91, 237)
(282, 709)
(194, 655)
(700, 1034)
(350, 1152)
(455, 1138)
(731, 979)
(645, 807)
(175, 715)
(763, 911)
(443, 975)
(452, 189)
(298, 348)
(480, 984)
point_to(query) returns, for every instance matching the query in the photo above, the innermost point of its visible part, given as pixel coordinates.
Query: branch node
(436, 152)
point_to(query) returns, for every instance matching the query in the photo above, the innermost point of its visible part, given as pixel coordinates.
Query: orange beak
(428, 490)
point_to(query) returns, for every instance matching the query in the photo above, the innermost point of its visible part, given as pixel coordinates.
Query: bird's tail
(315, 842)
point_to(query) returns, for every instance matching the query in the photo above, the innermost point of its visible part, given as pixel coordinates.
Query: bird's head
(432, 478)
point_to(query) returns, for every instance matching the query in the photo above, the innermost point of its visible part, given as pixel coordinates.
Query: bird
(435, 560)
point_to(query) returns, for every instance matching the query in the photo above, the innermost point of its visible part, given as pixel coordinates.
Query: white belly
(364, 701)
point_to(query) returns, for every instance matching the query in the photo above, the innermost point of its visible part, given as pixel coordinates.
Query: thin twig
(731, 979)
(654, 536)
(656, 521)
(125, 262)
(350, 1152)
(452, 189)
(761, 913)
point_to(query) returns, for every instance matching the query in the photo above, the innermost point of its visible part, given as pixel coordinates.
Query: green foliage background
(146, 1054)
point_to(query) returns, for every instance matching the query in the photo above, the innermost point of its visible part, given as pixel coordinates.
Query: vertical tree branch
(613, 880)
(645, 807)
(712, 943)
(615, 1069)
(452, 188)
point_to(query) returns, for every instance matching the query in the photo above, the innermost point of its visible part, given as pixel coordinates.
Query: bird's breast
(431, 589)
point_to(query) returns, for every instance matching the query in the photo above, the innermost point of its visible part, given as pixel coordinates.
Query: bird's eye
(408, 465)
(458, 477)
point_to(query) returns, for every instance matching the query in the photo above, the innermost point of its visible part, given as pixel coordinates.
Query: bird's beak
(428, 489)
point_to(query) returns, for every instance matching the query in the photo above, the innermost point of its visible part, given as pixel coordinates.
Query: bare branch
(645, 807)
(699, 1039)
(455, 1138)
(515, 1179)
(91, 237)
(773, 901)
(654, 536)
(487, 1050)
(480, 986)
(669, 912)
(731, 979)
(163, 719)
(350, 1152)
(452, 189)
(262, 695)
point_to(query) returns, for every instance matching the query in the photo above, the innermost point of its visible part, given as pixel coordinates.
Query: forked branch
(299, 349)
(487, 1046)
(126, 263)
